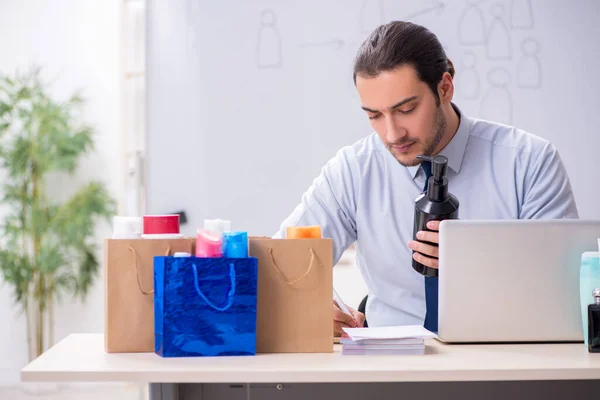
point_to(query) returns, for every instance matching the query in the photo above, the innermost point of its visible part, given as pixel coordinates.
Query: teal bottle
(589, 279)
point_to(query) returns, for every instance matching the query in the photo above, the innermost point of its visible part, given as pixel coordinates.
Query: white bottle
(218, 225)
(127, 227)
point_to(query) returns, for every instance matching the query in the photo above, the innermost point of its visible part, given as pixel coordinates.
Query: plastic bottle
(436, 204)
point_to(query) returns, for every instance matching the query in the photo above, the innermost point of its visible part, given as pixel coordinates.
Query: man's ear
(446, 88)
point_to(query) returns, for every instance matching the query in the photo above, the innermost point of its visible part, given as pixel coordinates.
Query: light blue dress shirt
(364, 195)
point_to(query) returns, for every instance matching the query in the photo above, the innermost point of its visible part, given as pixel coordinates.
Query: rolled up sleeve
(330, 203)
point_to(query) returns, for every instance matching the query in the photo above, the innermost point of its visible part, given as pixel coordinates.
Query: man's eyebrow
(400, 103)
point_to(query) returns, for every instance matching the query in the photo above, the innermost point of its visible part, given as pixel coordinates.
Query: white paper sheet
(390, 332)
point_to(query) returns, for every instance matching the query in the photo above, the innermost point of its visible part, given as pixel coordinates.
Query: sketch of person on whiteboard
(497, 102)
(471, 25)
(499, 44)
(529, 70)
(521, 14)
(468, 77)
(365, 194)
(268, 48)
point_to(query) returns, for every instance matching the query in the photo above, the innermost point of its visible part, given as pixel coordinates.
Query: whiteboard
(247, 100)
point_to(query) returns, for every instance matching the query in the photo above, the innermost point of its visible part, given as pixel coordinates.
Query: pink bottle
(208, 243)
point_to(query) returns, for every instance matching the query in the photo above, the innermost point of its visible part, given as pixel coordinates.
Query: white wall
(233, 83)
(230, 84)
(78, 44)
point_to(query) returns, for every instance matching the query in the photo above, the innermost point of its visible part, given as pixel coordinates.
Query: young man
(366, 193)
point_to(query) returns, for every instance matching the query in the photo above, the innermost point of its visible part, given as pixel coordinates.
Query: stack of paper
(408, 339)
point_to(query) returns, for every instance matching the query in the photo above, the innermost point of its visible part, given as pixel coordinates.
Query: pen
(340, 303)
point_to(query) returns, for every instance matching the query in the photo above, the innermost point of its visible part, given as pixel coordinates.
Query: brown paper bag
(295, 294)
(129, 290)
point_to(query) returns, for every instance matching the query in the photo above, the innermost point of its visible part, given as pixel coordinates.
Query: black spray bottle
(434, 205)
(594, 323)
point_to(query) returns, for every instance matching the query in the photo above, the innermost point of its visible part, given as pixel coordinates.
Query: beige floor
(75, 392)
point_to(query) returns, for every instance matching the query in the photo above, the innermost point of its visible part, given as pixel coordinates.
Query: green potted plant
(48, 249)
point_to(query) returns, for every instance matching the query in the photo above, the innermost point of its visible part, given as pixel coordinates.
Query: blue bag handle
(230, 295)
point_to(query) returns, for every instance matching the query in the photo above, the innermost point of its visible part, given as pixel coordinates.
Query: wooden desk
(81, 357)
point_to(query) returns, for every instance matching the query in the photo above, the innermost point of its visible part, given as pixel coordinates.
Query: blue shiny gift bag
(204, 306)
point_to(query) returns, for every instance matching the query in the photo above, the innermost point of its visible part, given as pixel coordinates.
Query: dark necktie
(431, 283)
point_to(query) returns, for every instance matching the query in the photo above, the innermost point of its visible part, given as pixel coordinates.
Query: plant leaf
(47, 250)
(17, 271)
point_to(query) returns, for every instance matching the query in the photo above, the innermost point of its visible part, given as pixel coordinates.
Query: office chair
(361, 308)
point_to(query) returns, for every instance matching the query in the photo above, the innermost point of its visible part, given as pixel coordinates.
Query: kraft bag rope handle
(137, 270)
(230, 295)
(313, 257)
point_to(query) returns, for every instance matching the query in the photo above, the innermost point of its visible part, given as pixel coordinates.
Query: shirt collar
(455, 150)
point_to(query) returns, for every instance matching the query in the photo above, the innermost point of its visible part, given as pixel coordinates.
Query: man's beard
(431, 143)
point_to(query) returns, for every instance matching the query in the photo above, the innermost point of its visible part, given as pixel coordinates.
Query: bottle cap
(127, 227)
(161, 224)
(437, 186)
(590, 254)
(439, 165)
(208, 243)
(235, 244)
(303, 232)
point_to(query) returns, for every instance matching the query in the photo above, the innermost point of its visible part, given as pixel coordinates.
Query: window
(134, 100)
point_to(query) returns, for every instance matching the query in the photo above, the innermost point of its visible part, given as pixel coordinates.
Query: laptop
(505, 281)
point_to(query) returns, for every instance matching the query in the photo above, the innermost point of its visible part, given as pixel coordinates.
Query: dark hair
(403, 43)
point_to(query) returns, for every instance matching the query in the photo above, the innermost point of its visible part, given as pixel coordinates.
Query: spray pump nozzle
(439, 166)
(437, 188)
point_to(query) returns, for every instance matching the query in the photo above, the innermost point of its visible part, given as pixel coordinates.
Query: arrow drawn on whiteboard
(438, 8)
(335, 44)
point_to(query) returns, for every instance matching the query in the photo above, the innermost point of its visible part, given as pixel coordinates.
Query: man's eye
(406, 111)
(374, 116)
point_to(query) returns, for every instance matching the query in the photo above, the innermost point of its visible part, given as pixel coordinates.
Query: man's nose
(394, 131)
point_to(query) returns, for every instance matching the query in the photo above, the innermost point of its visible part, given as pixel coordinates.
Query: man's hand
(340, 320)
(427, 254)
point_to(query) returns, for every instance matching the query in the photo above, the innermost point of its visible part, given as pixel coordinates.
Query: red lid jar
(161, 224)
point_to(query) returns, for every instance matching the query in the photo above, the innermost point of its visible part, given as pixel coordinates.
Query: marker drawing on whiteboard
(529, 70)
(437, 8)
(499, 45)
(497, 103)
(469, 83)
(521, 14)
(471, 25)
(268, 47)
